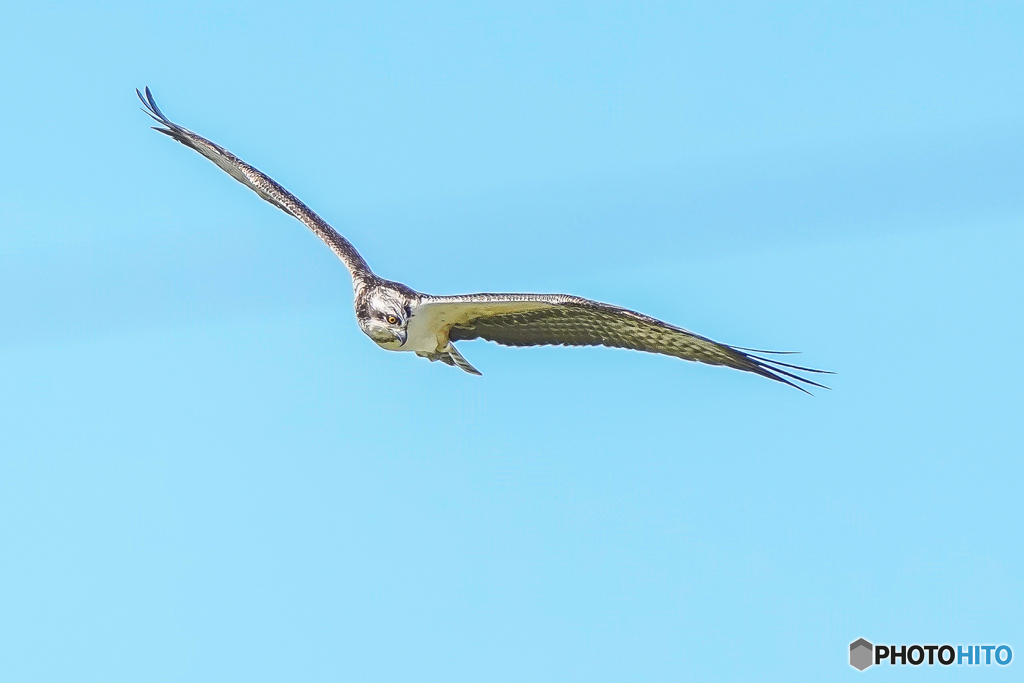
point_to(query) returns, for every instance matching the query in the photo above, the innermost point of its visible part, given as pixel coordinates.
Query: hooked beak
(401, 335)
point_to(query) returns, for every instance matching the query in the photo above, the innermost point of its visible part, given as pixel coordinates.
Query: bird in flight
(399, 318)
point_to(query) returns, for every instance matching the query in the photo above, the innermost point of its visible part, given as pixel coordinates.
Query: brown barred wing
(262, 184)
(579, 322)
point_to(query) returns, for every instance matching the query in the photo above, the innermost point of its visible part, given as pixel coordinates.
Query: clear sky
(207, 472)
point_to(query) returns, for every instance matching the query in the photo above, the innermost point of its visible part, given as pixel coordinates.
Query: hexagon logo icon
(861, 654)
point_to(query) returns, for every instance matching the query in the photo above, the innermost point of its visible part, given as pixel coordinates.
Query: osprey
(399, 318)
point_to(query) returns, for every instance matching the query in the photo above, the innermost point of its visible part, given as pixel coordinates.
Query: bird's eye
(392, 320)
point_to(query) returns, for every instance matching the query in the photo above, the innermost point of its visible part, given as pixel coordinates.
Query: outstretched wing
(546, 319)
(261, 184)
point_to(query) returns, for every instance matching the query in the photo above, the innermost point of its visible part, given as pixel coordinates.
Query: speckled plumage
(399, 318)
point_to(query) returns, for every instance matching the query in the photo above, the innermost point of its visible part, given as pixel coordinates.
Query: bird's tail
(455, 358)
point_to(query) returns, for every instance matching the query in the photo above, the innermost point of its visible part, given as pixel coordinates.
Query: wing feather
(556, 319)
(262, 184)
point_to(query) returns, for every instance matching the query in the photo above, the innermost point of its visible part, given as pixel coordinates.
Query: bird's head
(383, 316)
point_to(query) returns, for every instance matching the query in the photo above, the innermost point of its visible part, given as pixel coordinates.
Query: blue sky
(208, 473)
